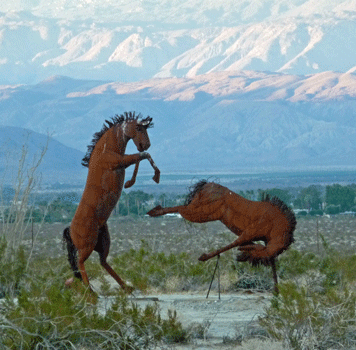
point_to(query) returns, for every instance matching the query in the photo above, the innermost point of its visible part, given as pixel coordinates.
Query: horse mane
(193, 190)
(116, 120)
(288, 214)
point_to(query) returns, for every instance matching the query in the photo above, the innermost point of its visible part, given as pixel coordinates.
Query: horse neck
(115, 139)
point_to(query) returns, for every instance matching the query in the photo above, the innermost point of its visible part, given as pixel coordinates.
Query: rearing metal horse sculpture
(107, 161)
(269, 220)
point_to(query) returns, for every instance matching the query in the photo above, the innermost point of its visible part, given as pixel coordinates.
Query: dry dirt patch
(214, 323)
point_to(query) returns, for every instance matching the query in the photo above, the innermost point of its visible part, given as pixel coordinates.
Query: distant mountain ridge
(120, 41)
(219, 122)
(60, 163)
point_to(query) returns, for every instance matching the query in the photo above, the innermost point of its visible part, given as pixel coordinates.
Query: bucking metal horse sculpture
(107, 161)
(269, 221)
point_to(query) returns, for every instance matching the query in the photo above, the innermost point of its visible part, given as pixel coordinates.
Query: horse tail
(72, 252)
(258, 254)
(290, 217)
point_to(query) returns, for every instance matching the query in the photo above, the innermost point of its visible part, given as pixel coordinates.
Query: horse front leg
(113, 160)
(131, 182)
(159, 211)
(156, 176)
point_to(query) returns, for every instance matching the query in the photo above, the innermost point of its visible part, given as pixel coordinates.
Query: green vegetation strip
(315, 308)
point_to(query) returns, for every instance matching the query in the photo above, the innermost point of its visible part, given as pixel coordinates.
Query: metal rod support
(212, 279)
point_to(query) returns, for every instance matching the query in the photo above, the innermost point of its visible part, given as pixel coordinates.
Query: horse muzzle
(142, 148)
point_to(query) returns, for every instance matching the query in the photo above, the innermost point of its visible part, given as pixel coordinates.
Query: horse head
(136, 129)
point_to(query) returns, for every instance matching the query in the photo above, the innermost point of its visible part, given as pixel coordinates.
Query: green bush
(304, 319)
(295, 263)
(333, 209)
(146, 268)
(12, 267)
(316, 308)
(49, 316)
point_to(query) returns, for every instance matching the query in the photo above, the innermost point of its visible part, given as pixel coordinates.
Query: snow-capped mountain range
(137, 40)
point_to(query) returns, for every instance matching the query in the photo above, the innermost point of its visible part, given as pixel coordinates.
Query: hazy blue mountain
(220, 122)
(60, 163)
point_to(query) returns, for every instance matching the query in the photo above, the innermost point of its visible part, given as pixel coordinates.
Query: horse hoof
(203, 257)
(128, 184)
(69, 282)
(156, 178)
(156, 211)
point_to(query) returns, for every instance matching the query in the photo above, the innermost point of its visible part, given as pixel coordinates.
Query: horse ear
(146, 122)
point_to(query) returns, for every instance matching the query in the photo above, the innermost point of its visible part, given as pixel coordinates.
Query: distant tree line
(314, 199)
(62, 207)
(331, 199)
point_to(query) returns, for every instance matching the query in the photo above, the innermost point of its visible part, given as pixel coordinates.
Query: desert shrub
(12, 267)
(316, 308)
(47, 315)
(290, 265)
(305, 319)
(253, 277)
(294, 263)
(146, 268)
(328, 270)
(172, 330)
(338, 269)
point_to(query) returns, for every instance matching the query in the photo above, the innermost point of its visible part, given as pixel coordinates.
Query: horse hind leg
(91, 297)
(77, 265)
(84, 254)
(258, 254)
(103, 247)
(239, 242)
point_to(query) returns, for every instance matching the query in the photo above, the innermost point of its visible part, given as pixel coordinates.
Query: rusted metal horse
(107, 161)
(269, 221)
